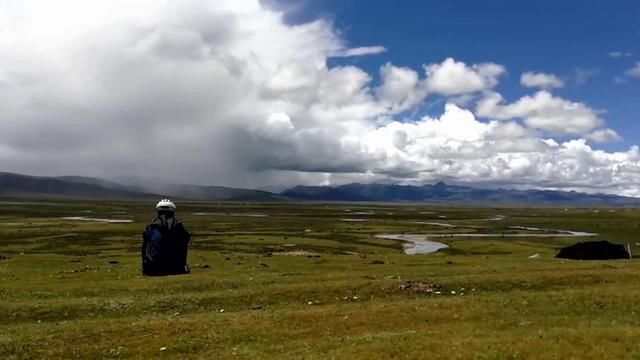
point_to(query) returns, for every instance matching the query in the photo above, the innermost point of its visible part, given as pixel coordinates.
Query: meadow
(312, 281)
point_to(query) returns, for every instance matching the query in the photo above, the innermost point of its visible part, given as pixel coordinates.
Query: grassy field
(297, 281)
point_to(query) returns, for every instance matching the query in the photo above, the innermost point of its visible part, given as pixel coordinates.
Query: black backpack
(164, 249)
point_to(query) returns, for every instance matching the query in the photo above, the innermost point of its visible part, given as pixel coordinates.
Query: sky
(247, 93)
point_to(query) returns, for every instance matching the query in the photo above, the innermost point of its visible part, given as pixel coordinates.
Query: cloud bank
(227, 92)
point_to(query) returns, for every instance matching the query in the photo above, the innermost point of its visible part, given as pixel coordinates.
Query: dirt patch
(441, 224)
(87, 268)
(97, 220)
(230, 214)
(297, 253)
(419, 287)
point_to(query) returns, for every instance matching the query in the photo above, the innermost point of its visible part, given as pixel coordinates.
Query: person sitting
(165, 243)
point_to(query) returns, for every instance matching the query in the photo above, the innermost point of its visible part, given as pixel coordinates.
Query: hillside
(17, 185)
(212, 193)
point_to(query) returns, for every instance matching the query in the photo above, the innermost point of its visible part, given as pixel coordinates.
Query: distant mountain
(93, 181)
(17, 185)
(212, 193)
(443, 193)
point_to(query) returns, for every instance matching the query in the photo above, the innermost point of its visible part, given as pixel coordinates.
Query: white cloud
(453, 77)
(360, 51)
(619, 54)
(582, 76)
(543, 111)
(541, 80)
(401, 87)
(226, 92)
(604, 136)
(620, 80)
(634, 71)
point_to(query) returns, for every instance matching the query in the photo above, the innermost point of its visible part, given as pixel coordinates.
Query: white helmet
(166, 205)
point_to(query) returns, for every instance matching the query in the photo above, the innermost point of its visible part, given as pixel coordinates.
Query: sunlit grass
(73, 289)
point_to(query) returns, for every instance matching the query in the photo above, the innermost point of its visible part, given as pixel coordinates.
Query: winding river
(418, 243)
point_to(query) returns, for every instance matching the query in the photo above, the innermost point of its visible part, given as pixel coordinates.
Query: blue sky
(559, 37)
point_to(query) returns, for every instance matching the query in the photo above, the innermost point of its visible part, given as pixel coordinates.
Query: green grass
(73, 290)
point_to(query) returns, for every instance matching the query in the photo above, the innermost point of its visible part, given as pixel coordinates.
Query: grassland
(296, 281)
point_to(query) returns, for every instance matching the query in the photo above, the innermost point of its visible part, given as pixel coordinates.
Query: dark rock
(113, 262)
(377, 262)
(594, 250)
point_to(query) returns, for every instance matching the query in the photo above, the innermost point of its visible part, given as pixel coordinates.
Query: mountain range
(17, 185)
(454, 194)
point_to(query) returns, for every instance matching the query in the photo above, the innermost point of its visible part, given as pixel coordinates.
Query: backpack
(164, 248)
